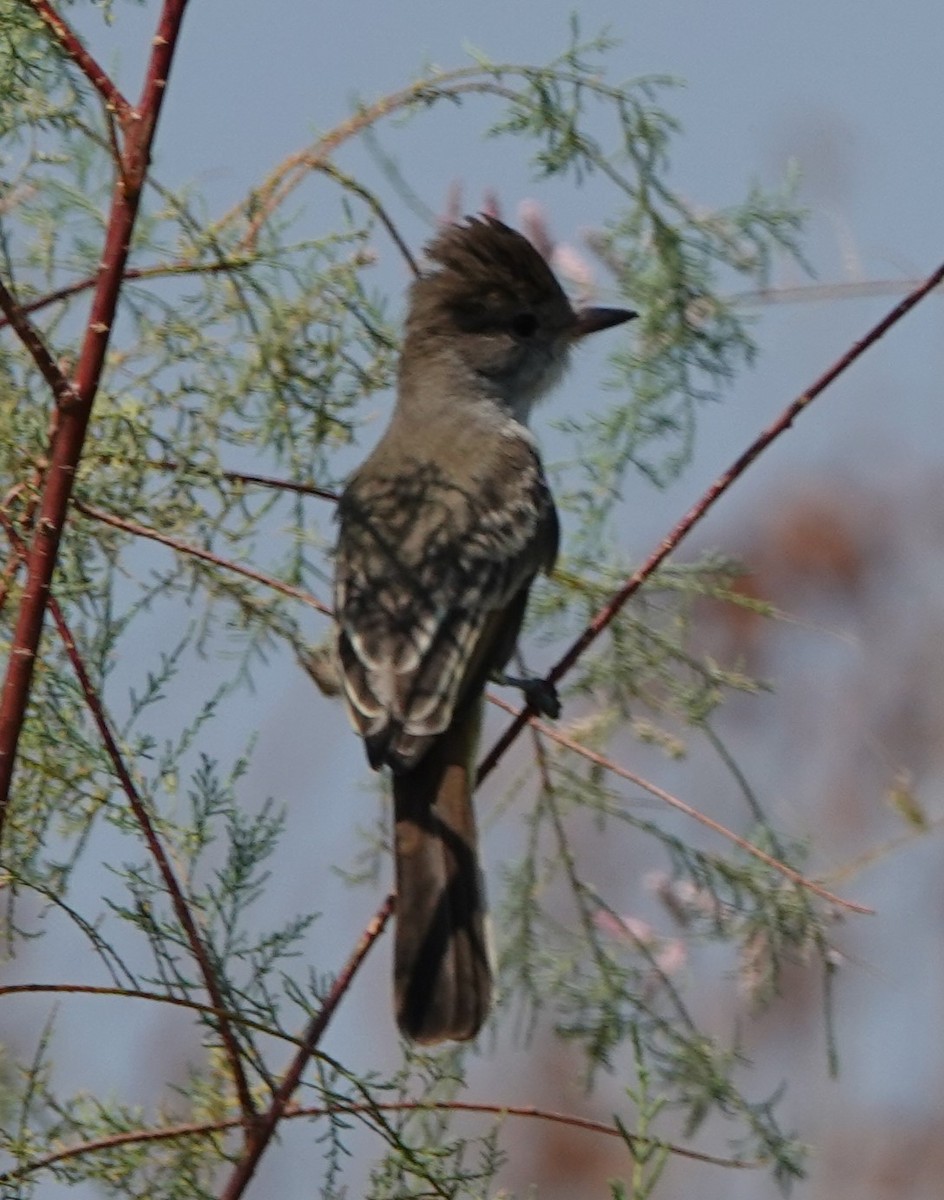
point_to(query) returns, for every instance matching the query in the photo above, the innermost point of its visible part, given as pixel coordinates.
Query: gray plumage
(442, 531)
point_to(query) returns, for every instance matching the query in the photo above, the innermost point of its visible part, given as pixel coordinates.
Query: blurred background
(840, 525)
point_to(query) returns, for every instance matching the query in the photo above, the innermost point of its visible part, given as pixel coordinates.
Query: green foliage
(244, 344)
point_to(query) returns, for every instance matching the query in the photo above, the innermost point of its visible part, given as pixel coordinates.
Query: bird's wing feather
(426, 568)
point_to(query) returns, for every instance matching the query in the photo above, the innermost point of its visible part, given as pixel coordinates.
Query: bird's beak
(589, 320)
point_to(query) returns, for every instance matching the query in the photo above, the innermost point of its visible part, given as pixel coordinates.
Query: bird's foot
(539, 694)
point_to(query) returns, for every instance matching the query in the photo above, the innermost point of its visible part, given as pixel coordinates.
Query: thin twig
(127, 993)
(267, 1123)
(353, 185)
(816, 293)
(269, 481)
(156, 271)
(695, 514)
(470, 80)
(156, 849)
(564, 850)
(203, 1128)
(653, 789)
(278, 585)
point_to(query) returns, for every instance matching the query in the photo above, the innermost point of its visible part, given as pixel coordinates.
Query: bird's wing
(429, 572)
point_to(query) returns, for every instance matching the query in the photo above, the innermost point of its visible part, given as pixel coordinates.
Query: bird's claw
(539, 694)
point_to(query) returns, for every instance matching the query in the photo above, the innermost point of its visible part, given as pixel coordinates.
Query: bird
(442, 531)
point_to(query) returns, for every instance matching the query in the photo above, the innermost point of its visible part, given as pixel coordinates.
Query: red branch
(613, 607)
(69, 437)
(267, 481)
(266, 1125)
(278, 585)
(156, 271)
(193, 1129)
(157, 852)
(15, 315)
(174, 890)
(73, 46)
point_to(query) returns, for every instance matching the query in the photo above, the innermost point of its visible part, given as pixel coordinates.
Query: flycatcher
(442, 531)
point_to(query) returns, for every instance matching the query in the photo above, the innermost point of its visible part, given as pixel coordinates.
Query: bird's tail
(442, 975)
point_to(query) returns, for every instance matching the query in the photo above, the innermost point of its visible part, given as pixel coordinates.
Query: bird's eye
(524, 324)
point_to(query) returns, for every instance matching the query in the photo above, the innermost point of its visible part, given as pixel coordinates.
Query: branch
(268, 481)
(478, 79)
(226, 263)
(815, 293)
(75, 49)
(632, 585)
(352, 185)
(90, 989)
(12, 566)
(15, 315)
(287, 589)
(174, 890)
(191, 1129)
(69, 437)
(266, 1125)
(156, 271)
